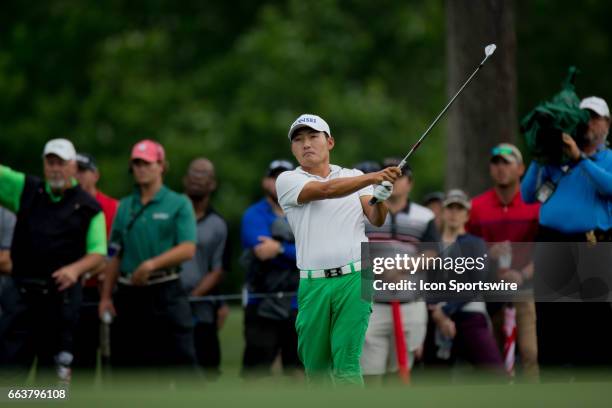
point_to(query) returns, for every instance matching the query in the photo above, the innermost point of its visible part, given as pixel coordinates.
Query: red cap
(149, 151)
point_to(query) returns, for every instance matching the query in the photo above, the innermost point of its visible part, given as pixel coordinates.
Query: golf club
(489, 50)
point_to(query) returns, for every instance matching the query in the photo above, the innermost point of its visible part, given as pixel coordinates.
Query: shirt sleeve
(96, 235)
(431, 232)
(367, 190)
(599, 176)
(529, 185)
(7, 226)
(289, 185)
(11, 187)
(185, 223)
(289, 251)
(253, 226)
(217, 255)
(116, 235)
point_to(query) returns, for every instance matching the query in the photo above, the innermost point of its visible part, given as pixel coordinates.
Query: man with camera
(576, 198)
(269, 260)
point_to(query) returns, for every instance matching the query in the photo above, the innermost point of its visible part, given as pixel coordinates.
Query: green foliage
(225, 80)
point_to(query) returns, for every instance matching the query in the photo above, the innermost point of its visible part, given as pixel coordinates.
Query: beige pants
(378, 356)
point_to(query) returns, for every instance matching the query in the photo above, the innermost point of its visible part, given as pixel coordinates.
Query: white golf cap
(597, 105)
(63, 148)
(312, 121)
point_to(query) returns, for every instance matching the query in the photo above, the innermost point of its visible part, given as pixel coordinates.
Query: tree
(485, 114)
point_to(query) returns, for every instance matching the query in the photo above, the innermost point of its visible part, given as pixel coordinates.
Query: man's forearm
(208, 283)
(87, 263)
(111, 274)
(174, 256)
(336, 188)
(5, 262)
(377, 213)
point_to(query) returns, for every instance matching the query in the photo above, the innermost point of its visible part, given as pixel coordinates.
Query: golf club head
(490, 49)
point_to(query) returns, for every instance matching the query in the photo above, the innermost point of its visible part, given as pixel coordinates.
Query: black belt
(158, 276)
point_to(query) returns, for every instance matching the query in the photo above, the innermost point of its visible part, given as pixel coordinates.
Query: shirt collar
(334, 169)
(515, 199)
(57, 197)
(158, 196)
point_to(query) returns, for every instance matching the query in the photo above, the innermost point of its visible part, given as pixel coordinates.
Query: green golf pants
(331, 324)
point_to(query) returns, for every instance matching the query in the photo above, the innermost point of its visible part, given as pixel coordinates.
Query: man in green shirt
(59, 235)
(153, 233)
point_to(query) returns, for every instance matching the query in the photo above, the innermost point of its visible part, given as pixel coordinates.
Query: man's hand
(383, 191)
(66, 277)
(570, 147)
(222, 314)
(387, 174)
(500, 249)
(444, 323)
(267, 248)
(105, 305)
(142, 273)
(512, 275)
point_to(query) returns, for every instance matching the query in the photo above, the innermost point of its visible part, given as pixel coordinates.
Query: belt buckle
(333, 272)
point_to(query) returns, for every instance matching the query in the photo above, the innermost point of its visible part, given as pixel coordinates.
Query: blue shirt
(256, 222)
(582, 200)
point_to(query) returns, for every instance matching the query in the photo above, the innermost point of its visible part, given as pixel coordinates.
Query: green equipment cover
(542, 127)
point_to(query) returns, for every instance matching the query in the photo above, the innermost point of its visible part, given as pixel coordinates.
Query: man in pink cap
(153, 233)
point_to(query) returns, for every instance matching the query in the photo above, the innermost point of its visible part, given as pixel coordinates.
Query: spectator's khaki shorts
(378, 356)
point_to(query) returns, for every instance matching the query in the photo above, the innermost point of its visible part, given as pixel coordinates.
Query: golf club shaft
(424, 135)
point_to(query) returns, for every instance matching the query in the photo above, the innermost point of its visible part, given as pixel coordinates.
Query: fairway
(231, 391)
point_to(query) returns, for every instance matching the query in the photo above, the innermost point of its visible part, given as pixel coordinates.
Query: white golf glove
(383, 191)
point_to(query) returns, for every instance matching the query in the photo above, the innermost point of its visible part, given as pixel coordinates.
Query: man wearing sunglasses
(500, 217)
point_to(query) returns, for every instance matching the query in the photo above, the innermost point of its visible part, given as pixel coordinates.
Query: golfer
(326, 206)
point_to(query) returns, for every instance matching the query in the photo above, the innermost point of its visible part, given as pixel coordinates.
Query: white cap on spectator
(597, 105)
(63, 148)
(312, 121)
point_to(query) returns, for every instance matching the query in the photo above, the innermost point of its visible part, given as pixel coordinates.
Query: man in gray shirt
(202, 274)
(7, 290)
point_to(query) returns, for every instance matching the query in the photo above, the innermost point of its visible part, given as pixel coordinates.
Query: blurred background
(225, 79)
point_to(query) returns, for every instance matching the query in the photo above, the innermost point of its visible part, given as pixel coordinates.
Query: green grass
(432, 390)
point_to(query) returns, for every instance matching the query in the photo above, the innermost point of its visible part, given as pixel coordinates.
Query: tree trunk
(485, 113)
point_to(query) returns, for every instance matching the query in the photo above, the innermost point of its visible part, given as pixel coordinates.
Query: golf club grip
(373, 201)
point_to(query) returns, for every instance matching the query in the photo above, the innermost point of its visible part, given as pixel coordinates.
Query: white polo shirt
(328, 233)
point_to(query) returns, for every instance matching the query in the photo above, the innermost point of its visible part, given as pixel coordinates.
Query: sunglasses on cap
(502, 150)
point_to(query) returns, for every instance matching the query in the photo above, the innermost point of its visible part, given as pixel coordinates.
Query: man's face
(200, 180)
(310, 147)
(455, 216)
(269, 187)
(401, 191)
(505, 173)
(599, 127)
(436, 207)
(146, 172)
(87, 178)
(58, 172)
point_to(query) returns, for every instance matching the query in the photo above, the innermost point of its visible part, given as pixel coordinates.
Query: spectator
(269, 258)
(58, 237)
(154, 233)
(407, 224)
(460, 329)
(202, 274)
(500, 216)
(87, 334)
(7, 289)
(433, 201)
(576, 200)
(7, 225)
